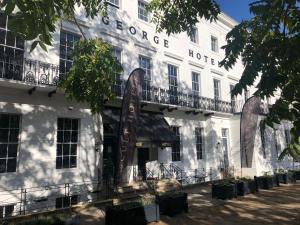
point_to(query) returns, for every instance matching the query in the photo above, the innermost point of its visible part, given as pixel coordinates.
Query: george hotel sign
(144, 35)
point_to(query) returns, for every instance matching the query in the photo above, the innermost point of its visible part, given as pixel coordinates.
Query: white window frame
(144, 16)
(214, 43)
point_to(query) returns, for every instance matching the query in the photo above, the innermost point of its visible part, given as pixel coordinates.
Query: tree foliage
(92, 75)
(35, 20)
(181, 15)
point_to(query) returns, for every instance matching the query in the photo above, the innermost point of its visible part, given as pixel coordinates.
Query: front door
(143, 157)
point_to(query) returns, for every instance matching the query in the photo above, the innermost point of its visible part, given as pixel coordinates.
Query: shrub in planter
(282, 177)
(246, 186)
(172, 203)
(266, 182)
(292, 176)
(133, 213)
(224, 189)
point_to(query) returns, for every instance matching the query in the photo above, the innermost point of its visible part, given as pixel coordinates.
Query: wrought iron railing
(183, 98)
(41, 73)
(30, 71)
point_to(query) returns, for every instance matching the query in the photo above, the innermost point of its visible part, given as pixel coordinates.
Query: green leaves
(181, 15)
(92, 75)
(35, 20)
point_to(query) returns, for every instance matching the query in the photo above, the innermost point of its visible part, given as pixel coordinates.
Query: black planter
(282, 178)
(133, 215)
(244, 187)
(172, 204)
(266, 182)
(224, 191)
(297, 174)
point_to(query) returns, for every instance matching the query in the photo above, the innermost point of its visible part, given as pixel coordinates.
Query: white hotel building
(46, 141)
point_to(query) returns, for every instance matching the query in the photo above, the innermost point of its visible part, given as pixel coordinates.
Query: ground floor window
(176, 145)
(67, 142)
(66, 201)
(6, 210)
(199, 142)
(9, 142)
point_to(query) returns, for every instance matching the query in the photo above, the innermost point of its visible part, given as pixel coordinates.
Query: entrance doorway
(143, 157)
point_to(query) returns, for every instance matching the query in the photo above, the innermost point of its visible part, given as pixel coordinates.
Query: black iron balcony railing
(30, 71)
(181, 98)
(47, 74)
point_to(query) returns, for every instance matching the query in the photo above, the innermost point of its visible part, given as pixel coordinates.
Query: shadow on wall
(36, 160)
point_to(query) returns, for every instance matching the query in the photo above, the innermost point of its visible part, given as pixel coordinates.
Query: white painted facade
(123, 29)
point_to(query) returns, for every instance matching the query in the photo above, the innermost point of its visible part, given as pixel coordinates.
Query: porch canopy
(152, 127)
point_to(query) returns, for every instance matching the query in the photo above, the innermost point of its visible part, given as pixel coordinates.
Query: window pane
(73, 162)
(14, 135)
(66, 149)
(2, 36)
(12, 150)
(11, 165)
(74, 136)
(66, 162)
(74, 124)
(1, 207)
(19, 42)
(73, 149)
(3, 150)
(4, 121)
(59, 149)
(58, 162)
(60, 136)
(14, 121)
(2, 165)
(67, 124)
(4, 135)
(60, 124)
(67, 136)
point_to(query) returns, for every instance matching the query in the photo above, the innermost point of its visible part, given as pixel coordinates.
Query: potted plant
(172, 203)
(135, 213)
(267, 181)
(282, 176)
(224, 189)
(246, 186)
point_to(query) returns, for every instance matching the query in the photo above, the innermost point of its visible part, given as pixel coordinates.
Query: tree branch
(78, 25)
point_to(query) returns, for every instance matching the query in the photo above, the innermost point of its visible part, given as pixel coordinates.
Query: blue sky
(237, 9)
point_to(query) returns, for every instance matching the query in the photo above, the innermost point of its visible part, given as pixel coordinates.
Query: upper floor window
(233, 98)
(142, 12)
(9, 142)
(173, 83)
(11, 51)
(176, 146)
(214, 44)
(145, 64)
(117, 52)
(114, 2)
(67, 142)
(217, 89)
(195, 83)
(194, 35)
(67, 43)
(199, 137)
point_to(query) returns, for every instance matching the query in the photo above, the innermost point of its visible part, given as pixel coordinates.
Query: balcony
(31, 72)
(183, 98)
(37, 73)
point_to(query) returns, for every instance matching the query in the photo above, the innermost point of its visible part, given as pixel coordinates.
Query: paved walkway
(280, 205)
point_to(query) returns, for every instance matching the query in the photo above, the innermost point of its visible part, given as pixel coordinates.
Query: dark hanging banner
(129, 121)
(248, 126)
